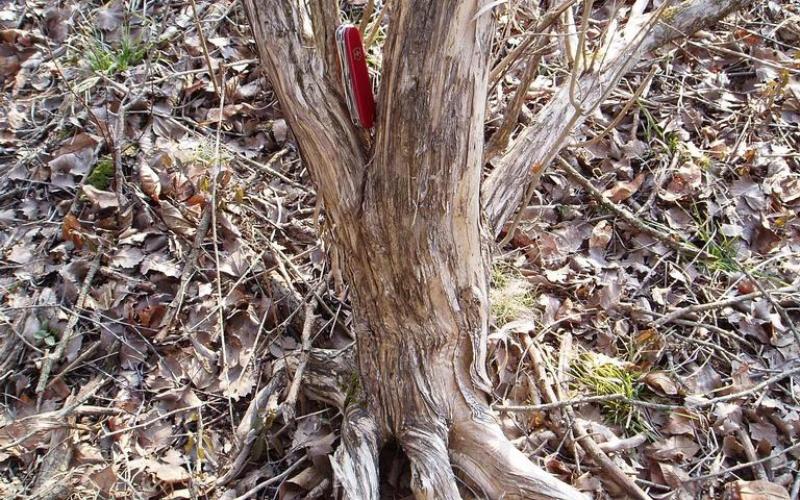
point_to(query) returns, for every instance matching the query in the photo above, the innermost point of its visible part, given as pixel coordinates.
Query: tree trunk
(404, 214)
(409, 225)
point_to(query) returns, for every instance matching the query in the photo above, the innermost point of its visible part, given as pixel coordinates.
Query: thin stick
(186, 275)
(758, 469)
(623, 112)
(671, 240)
(656, 406)
(748, 392)
(273, 480)
(69, 330)
(365, 15)
(584, 401)
(80, 359)
(695, 308)
(215, 172)
(152, 420)
(587, 442)
(736, 467)
(376, 28)
(288, 406)
(202, 37)
(779, 308)
(499, 140)
(577, 65)
(547, 19)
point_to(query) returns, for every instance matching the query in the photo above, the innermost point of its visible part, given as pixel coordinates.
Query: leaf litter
(183, 324)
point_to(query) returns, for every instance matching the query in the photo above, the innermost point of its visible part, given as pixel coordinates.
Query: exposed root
(488, 458)
(355, 462)
(432, 476)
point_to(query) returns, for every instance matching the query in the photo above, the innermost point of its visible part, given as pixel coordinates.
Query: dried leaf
(755, 490)
(103, 199)
(149, 181)
(661, 383)
(70, 230)
(623, 190)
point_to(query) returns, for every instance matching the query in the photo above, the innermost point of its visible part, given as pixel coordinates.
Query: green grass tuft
(511, 296)
(600, 375)
(107, 59)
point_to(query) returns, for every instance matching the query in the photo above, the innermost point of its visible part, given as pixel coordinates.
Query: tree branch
(325, 18)
(298, 63)
(524, 163)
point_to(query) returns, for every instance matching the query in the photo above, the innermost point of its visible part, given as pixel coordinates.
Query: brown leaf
(109, 17)
(675, 448)
(686, 181)
(661, 383)
(168, 473)
(104, 479)
(623, 190)
(127, 257)
(755, 490)
(70, 230)
(601, 235)
(149, 180)
(103, 199)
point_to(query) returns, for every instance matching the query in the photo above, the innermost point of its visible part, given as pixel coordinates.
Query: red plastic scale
(355, 76)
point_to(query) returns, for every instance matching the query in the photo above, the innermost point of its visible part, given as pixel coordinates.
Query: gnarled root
(355, 462)
(432, 476)
(481, 451)
(472, 443)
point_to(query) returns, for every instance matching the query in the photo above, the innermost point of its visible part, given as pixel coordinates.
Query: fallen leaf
(149, 180)
(623, 190)
(103, 199)
(661, 383)
(755, 490)
(128, 258)
(70, 230)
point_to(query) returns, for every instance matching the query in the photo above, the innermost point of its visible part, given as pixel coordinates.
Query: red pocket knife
(355, 76)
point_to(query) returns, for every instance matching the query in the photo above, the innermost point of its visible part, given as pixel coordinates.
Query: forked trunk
(403, 215)
(407, 226)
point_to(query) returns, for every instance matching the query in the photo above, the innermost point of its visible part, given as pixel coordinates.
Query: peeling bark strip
(504, 188)
(407, 220)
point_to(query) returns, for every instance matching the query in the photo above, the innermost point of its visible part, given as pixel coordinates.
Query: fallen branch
(746, 465)
(587, 442)
(759, 472)
(584, 401)
(152, 420)
(273, 480)
(748, 392)
(695, 308)
(582, 437)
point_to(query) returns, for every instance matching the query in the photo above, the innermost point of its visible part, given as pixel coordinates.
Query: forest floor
(137, 324)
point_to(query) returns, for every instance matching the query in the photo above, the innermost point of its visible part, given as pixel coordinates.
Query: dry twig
(288, 406)
(69, 330)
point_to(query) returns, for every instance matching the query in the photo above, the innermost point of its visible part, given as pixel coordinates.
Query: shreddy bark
(404, 216)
